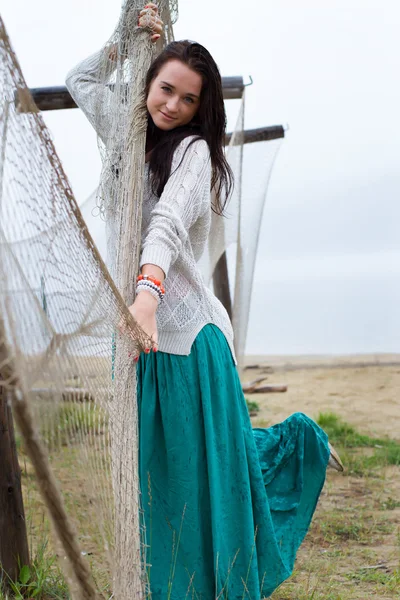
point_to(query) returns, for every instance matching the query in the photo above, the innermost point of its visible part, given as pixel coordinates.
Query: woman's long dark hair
(209, 123)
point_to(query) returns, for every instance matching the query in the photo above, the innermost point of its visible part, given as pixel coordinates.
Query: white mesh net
(257, 162)
(61, 356)
(237, 233)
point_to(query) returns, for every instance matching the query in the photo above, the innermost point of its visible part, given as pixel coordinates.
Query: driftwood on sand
(270, 389)
(254, 387)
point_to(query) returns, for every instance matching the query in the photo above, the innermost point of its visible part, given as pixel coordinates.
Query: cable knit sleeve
(91, 95)
(185, 198)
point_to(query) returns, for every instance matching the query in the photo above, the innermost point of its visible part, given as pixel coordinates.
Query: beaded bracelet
(156, 282)
(147, 288)
(149, 285)
(152, 285)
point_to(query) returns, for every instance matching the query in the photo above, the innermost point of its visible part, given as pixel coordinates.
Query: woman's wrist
(154, 271)
(150, 280)
(146, 300)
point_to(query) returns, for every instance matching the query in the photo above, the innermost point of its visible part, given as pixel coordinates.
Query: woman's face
(174, 95)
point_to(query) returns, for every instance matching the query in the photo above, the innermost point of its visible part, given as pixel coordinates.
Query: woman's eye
(189, 99)
(166, 89)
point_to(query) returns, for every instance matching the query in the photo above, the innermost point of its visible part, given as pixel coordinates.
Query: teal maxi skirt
(226, 507)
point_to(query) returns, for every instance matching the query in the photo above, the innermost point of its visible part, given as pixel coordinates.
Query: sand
(363, 389)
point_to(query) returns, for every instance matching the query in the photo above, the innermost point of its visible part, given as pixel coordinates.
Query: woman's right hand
(149, 17)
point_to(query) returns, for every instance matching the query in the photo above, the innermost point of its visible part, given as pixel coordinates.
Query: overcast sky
(328, 272)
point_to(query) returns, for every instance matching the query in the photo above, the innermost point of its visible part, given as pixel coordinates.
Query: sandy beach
(363, 389)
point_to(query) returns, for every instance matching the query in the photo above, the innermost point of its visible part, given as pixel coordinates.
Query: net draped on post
(237, 233)
(120, 119)
(258, 159)
(63, 362)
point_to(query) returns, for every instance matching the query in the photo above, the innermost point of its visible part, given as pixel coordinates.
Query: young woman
(226, 507)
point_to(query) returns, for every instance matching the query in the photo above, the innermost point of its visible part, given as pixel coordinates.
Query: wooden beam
(14, 549)
(233, 87)
(52, 98)
(58, 97)
(261, 134)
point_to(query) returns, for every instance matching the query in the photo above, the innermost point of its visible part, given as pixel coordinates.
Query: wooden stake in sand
(13, 537)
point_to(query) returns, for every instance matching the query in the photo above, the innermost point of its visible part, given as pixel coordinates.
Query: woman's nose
(172, 104)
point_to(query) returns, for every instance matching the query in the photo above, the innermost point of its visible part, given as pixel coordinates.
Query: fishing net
(243, 234)
(63, 362)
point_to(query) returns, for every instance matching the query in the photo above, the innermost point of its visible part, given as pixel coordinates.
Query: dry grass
(352, 551)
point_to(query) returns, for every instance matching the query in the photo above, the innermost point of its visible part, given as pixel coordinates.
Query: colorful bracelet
(152, 285)
(156, 282)
(151, 290)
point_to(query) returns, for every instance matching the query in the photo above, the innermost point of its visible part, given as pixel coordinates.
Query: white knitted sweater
(175, 228)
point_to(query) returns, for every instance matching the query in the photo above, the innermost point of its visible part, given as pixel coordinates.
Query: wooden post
(13, 537)
(261, 134)
(14, 548)
(221, 284)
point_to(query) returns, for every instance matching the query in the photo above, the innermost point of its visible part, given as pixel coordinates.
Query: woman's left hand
(143, 311)
(149, 17)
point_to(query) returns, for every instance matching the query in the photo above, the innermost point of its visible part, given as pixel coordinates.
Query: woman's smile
(167, 116)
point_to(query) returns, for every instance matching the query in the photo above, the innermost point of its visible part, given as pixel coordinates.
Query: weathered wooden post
(14, 548)
(221, 284)
(13, 539)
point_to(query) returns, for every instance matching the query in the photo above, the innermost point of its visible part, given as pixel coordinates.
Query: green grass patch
(310, 590)
(252, 407)
(66, 423)
(343, 434)
(361, 527)
(42, 580)
(389, 504)
(70, 422)
(347, 440)
(386, 577)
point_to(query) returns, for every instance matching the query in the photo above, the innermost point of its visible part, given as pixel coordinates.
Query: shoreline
(322, 361)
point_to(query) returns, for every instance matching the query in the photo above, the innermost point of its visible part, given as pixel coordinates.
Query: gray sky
(330, 235)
